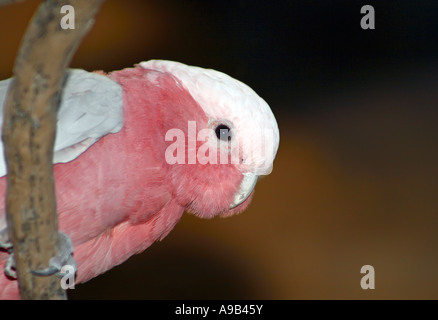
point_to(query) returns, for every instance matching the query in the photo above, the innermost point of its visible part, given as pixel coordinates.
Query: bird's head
(236, 143)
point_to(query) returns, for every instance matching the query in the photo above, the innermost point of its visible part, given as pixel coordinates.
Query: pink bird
(137, 148)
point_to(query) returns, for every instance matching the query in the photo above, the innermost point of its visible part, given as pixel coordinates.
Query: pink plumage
(121, 195)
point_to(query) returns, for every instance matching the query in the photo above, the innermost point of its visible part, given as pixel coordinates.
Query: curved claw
(10, 271)
(46, 272)
(5, 242)
(56, 270)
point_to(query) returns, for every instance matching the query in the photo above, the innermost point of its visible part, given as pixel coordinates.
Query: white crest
(225, 98)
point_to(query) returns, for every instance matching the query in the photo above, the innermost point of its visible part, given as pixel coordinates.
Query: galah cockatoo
(136, 148)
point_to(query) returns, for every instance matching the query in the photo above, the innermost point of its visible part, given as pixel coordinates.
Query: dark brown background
(355, 180)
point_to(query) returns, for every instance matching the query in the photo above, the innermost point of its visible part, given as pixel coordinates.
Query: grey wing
(91, 107)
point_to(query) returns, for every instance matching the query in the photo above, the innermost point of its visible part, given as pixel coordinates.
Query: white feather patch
(91, 107)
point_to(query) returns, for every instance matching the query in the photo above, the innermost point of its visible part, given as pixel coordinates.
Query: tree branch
(28, 133)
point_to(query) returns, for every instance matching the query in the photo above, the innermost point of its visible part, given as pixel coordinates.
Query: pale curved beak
(246, 187)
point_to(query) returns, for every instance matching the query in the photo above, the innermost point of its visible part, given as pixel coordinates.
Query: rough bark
(29, 130)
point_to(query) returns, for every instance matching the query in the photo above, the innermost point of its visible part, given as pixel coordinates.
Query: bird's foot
(5, 242)
(64, 258)
(56, 264)
(6, 245)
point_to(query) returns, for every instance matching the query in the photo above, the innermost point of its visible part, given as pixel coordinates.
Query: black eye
(223, 132)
